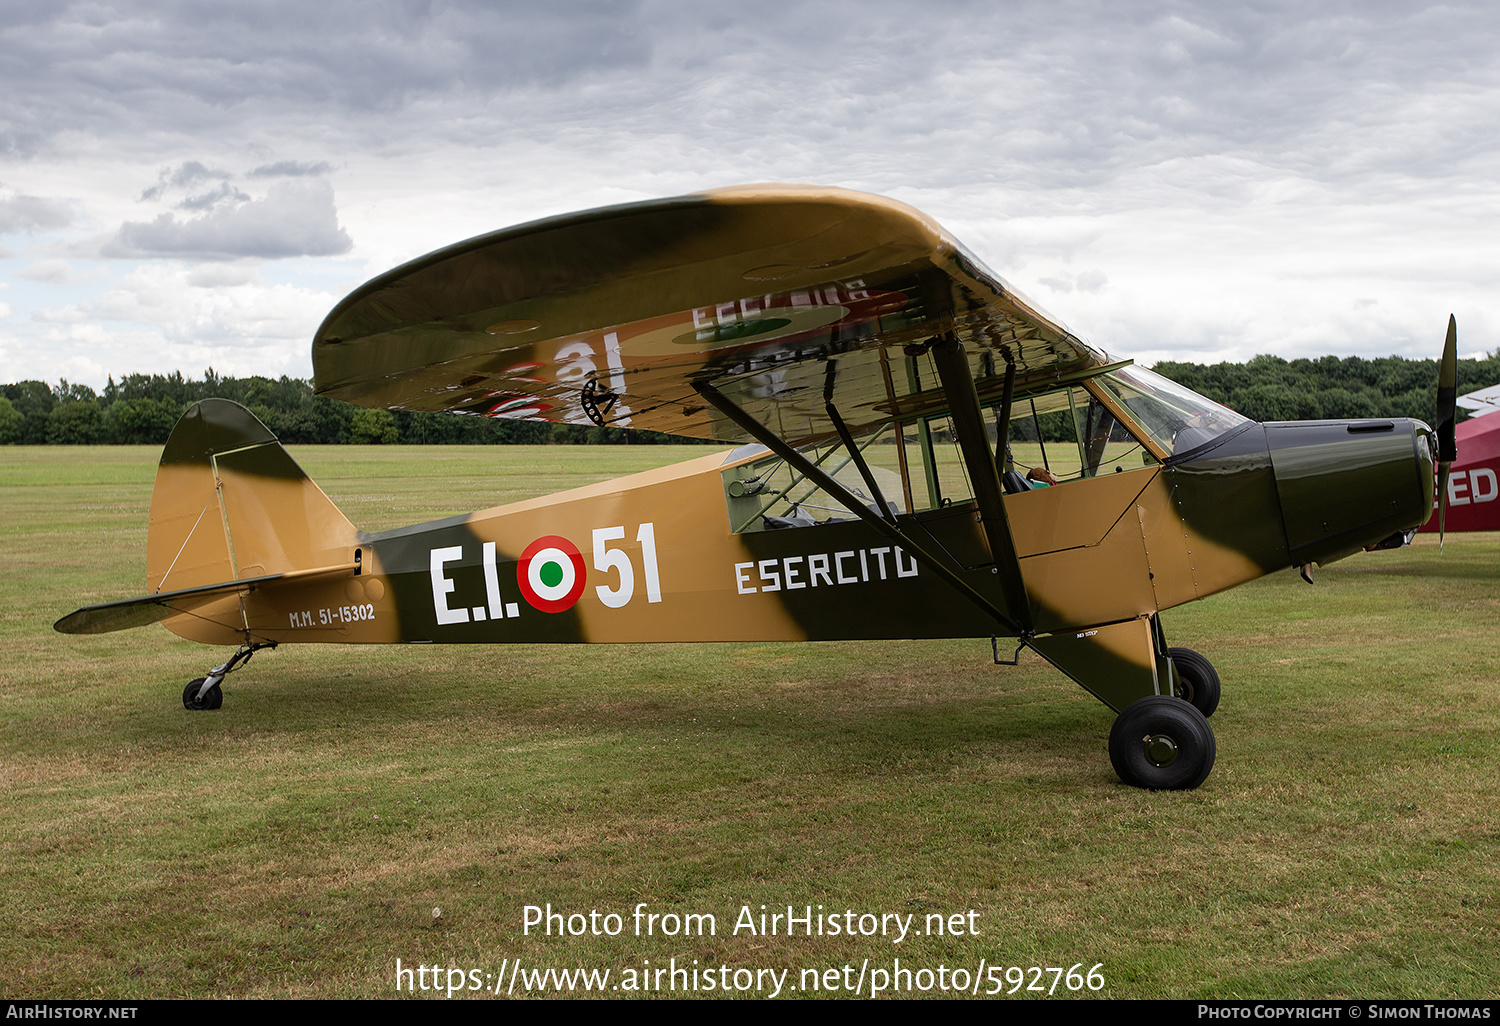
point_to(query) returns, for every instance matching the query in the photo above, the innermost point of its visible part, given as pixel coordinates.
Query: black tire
(1197, 680)
(1163, 744)
(213, 699)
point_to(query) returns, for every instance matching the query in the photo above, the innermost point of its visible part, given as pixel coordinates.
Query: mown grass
(296, 842)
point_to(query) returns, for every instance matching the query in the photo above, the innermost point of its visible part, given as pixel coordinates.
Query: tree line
(1330, 387)
(140, 409)
(1268, 388)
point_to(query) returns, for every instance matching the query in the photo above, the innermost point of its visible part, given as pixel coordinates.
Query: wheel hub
(1160, 750)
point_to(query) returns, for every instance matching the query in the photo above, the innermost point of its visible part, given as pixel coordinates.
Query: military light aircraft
(885, 390)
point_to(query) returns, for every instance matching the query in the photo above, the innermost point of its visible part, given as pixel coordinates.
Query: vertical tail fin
(230, 504)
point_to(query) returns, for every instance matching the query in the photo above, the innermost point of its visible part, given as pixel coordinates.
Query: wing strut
(984, 474)
(1002, 422)
(854, 453)
(812, 472)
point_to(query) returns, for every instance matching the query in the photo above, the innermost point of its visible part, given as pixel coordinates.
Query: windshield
(1177, 418)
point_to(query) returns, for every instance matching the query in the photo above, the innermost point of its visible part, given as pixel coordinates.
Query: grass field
(297, 842)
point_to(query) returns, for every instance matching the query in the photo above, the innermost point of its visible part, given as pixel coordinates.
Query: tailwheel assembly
(204, 693)
(199, 695)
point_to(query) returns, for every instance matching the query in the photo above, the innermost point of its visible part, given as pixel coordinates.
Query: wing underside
(777, 296)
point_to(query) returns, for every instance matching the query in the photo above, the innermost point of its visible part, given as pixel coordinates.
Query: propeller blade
(1442, 503)
(1447, 405)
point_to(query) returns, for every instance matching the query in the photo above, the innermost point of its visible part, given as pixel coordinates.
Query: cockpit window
(769, 494)
(1071, 435)
(1177, 418)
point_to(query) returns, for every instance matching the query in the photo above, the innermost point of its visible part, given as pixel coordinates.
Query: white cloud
(248, 314)
(52, 272)
(296, 218)
(291, 168)
(1170, 178)
(217, 275)
(152, 320)
(59, 315)
(31, 214)
(187, 175)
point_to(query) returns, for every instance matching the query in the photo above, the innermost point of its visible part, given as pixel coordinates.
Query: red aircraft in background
(1474, 481)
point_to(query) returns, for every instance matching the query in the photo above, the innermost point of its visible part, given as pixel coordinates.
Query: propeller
(1447, 403)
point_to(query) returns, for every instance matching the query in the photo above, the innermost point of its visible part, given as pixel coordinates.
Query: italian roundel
(551, 574)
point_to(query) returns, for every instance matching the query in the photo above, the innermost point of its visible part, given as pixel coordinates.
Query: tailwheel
(198, 697)
(1163, 744)
(194, 696)
(1197, 680)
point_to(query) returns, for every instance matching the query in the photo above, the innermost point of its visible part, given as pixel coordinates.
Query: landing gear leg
(1161, 739)
(204, 693)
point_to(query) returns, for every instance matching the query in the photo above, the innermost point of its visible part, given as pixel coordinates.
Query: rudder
(230, 503)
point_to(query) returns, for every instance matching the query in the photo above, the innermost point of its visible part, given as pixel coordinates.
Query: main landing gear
(1161, 739)
(1164, 742)
(204, 693)
(1197, 680)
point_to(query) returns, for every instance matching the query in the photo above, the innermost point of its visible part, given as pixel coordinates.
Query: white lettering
(838, 563)
(607, 559)
(441, 585)
(492, 584)
(620, 412)
(646, 535)
(817, 566)
(575, 362)
(821, 568)
(1482, 484)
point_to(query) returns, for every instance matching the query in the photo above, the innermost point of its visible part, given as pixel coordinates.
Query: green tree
(11, 423)
(141, 421)
(373, 427)
(34, 401)
(1267, 401)
(76, 423)
(67, 393)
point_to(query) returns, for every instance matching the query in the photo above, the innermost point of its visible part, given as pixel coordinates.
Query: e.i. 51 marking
(551, 575)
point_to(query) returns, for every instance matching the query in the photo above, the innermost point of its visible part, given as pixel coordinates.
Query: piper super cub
(922, 453)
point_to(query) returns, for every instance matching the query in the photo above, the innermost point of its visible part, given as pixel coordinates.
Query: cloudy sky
(185, 185)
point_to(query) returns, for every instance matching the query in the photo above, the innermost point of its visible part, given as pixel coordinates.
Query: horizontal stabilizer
(147, 609)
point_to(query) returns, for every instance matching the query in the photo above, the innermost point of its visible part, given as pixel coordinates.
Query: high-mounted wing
(777, 296)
